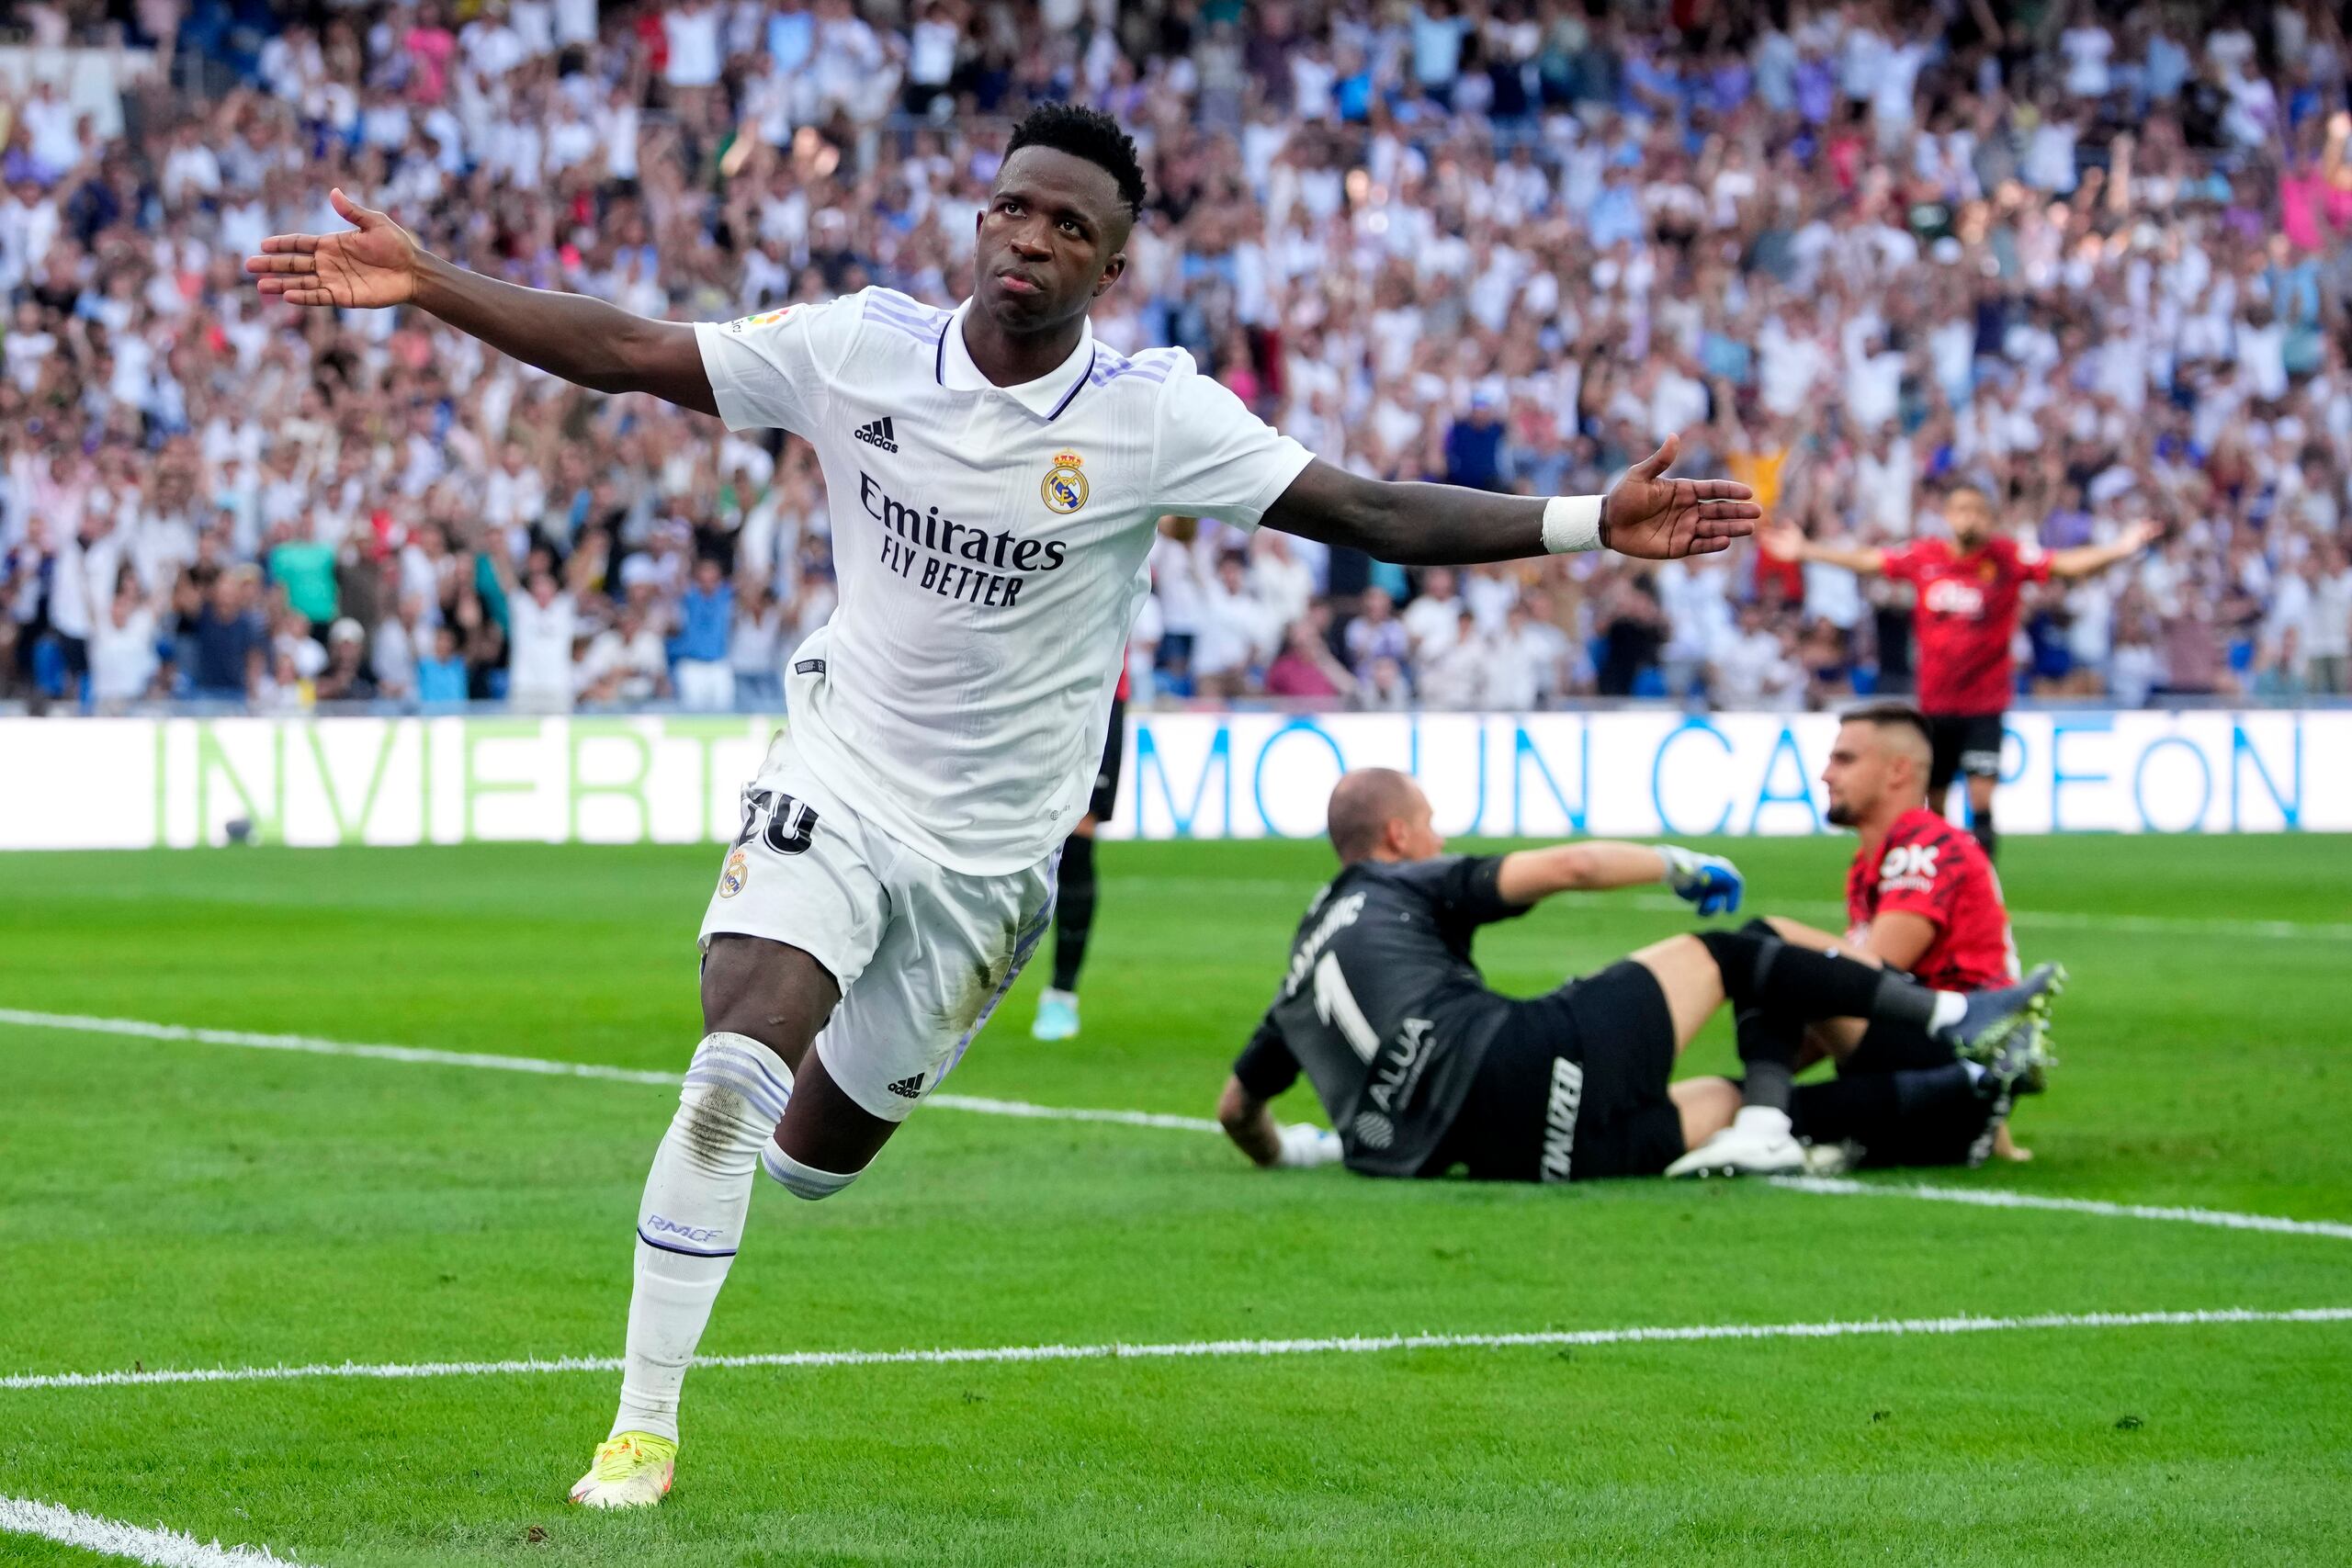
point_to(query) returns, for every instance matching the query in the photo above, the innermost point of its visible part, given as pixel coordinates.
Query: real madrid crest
(738, 872)
(1065, 486)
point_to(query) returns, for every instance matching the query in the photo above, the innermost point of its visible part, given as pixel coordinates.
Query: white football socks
(691, 1220)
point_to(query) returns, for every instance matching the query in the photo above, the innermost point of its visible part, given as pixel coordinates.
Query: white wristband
(1571, 522)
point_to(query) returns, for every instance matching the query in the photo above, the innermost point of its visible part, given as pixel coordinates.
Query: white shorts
(923, 954)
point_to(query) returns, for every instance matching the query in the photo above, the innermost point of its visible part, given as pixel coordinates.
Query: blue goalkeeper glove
(1709, 881)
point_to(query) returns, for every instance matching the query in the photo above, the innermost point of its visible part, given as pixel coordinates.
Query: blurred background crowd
(2094, 258)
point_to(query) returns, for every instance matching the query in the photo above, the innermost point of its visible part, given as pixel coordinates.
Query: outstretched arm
(585, 341)
(1528, 877)
(1428, 524)
(1788, 542)
(2089, 560)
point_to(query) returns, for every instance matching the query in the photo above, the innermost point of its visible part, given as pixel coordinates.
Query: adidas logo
(907, 1089)
(879, 433)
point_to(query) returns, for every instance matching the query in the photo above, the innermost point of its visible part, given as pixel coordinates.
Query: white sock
(1950, 1006)
(691, 1219)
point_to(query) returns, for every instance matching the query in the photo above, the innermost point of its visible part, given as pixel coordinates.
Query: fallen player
(1423, 1069)
(1921, 896)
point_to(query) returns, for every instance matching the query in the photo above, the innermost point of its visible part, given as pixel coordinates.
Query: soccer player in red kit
(1921, 896)
(1963, 622)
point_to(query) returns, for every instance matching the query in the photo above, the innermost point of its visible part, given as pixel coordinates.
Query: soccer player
(994, 475)
(1921, 898)
(1074, 882)
(1963, 621)
(1422, 1068)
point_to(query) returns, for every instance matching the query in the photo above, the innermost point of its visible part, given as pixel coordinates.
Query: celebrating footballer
(995, 475)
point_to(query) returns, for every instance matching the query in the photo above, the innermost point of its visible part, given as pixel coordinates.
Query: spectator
(544, 623)
(1235, 634)
(704, 671)
(1433, 619)
(441, 676)
(755, 648)
(1455, 676)
(347, 678)
(1526, 663)
(401, 642)
(230, 644)
(1475, 451)
(1305, 668)
(1376, 634)
(1632, 631)
(1383, 689)
(625, 662)
(124, 666)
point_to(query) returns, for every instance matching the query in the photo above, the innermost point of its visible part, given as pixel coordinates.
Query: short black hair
(1888, 712)
(1085, 133)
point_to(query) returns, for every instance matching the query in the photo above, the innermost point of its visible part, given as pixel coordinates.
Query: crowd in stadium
(2095, 258)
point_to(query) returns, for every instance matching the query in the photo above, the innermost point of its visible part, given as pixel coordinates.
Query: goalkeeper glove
(1709, 881)
(1305, 1147)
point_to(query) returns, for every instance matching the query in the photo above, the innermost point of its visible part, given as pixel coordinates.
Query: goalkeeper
(1422, 1069)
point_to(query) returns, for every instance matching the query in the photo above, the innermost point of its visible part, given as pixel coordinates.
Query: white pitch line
(112, 1537)
(1993, 1198)
(1354, 1344)
(425, 1055)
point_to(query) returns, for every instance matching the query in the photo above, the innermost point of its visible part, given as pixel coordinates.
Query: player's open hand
(1648, 516)
(374, 265)
(2138, 537)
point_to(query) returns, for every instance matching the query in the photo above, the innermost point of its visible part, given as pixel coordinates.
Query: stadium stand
(2093, 258)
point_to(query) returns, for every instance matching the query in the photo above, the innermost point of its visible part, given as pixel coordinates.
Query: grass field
(177, 1204)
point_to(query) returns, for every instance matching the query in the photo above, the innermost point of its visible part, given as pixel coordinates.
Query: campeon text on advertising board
(139, 782)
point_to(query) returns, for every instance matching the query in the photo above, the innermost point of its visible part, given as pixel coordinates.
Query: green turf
(180, 1204)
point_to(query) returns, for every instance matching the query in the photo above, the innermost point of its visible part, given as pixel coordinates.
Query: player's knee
(1736, 951)
(736, 1072)
(800, 1178)
(734, 1093)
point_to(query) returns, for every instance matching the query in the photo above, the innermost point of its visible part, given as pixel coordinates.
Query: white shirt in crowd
(122, 657)
(960, 693)
(692, 31)
(539, 665)
(755, 643)
(1433, 624)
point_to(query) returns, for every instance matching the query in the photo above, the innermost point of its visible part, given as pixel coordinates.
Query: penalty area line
(1354, 1344)
(112, 1537)
(422, 1055)
(1993, 1198)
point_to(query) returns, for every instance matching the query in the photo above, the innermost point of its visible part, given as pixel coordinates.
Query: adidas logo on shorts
(908, 1089)
(878, 433)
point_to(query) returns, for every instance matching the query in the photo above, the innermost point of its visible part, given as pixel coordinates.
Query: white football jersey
(989, 543)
